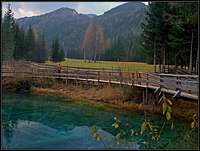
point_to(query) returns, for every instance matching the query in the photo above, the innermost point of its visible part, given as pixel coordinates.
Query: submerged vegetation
(150, 132)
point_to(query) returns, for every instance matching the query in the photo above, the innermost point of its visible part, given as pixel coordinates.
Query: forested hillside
(64, 23)
(170, 35)
(161, 33)
(72, 29)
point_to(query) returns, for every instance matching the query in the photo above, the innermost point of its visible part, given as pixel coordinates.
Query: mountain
(70, 26)
(91, 15)
(65, 23)
(123, 19)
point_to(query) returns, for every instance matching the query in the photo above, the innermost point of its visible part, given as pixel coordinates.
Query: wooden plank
(187, 83)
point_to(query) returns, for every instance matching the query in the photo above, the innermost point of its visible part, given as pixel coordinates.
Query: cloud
(96, 7)
(22, 9)
(146, 3)
(23, 12)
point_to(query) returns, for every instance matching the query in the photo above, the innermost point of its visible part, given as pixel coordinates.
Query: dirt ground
(118, 98)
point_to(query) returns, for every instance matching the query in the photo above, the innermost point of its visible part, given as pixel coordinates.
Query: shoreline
(114, 97)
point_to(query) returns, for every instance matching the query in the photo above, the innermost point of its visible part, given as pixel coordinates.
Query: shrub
(23, 86)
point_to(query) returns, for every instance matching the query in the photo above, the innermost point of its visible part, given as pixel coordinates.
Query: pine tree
(43, 49)
(55, 51)
(19, 50)
(61, 55)
(30, 45)
(8, 43)
(170, 30)
(40, 54)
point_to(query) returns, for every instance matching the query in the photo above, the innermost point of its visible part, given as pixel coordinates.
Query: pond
(39, 121)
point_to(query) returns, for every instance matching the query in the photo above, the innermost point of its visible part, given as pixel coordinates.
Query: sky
(27, 9)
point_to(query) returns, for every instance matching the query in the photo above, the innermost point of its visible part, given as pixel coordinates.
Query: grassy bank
(117, 98)
(124, 66)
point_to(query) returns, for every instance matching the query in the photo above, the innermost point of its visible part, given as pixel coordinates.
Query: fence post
(120, 76)
(147, 88)
(98, 76)
(66, 76)
(177, 83)
(140, 78)
(32, 73)
(109, 77)
(76, 76)
(133, 78)
(136, 77)
(87, 75)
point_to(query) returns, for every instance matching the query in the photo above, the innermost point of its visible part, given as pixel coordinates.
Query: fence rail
(187, 84)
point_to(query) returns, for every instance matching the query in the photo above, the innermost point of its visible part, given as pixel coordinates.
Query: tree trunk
(164, 60)
(190, 65)
(154, 62)
(197, 62)
(175, 62)
(66, 53)
(168, 61)
(95, 55)
(90, 57)
(84, 55)
(159, 65)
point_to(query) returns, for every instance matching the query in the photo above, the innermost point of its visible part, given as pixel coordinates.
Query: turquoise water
(34, 121)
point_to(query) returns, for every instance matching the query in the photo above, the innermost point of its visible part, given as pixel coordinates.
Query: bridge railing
(186, 83)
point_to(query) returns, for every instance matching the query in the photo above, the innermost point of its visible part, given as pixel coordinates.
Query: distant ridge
(70, 26)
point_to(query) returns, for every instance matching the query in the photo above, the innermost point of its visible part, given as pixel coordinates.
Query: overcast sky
(22, 9)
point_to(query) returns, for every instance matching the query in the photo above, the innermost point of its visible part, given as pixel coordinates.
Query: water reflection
(30, 134)
(33, 121)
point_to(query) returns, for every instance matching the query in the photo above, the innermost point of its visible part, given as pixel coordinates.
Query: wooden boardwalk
(183, 85)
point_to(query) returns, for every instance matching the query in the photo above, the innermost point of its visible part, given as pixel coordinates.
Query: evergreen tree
(20, 45)
(61, 54)
(8, 43)
(155, 29)
(40, 54)
(30, 45)
(19, 51)
(43, 51)
(170, 31)
(55, 51)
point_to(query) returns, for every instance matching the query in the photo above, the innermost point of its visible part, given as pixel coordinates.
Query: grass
(124, 66)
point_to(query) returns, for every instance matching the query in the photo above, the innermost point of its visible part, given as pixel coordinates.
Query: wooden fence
(188, 85)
